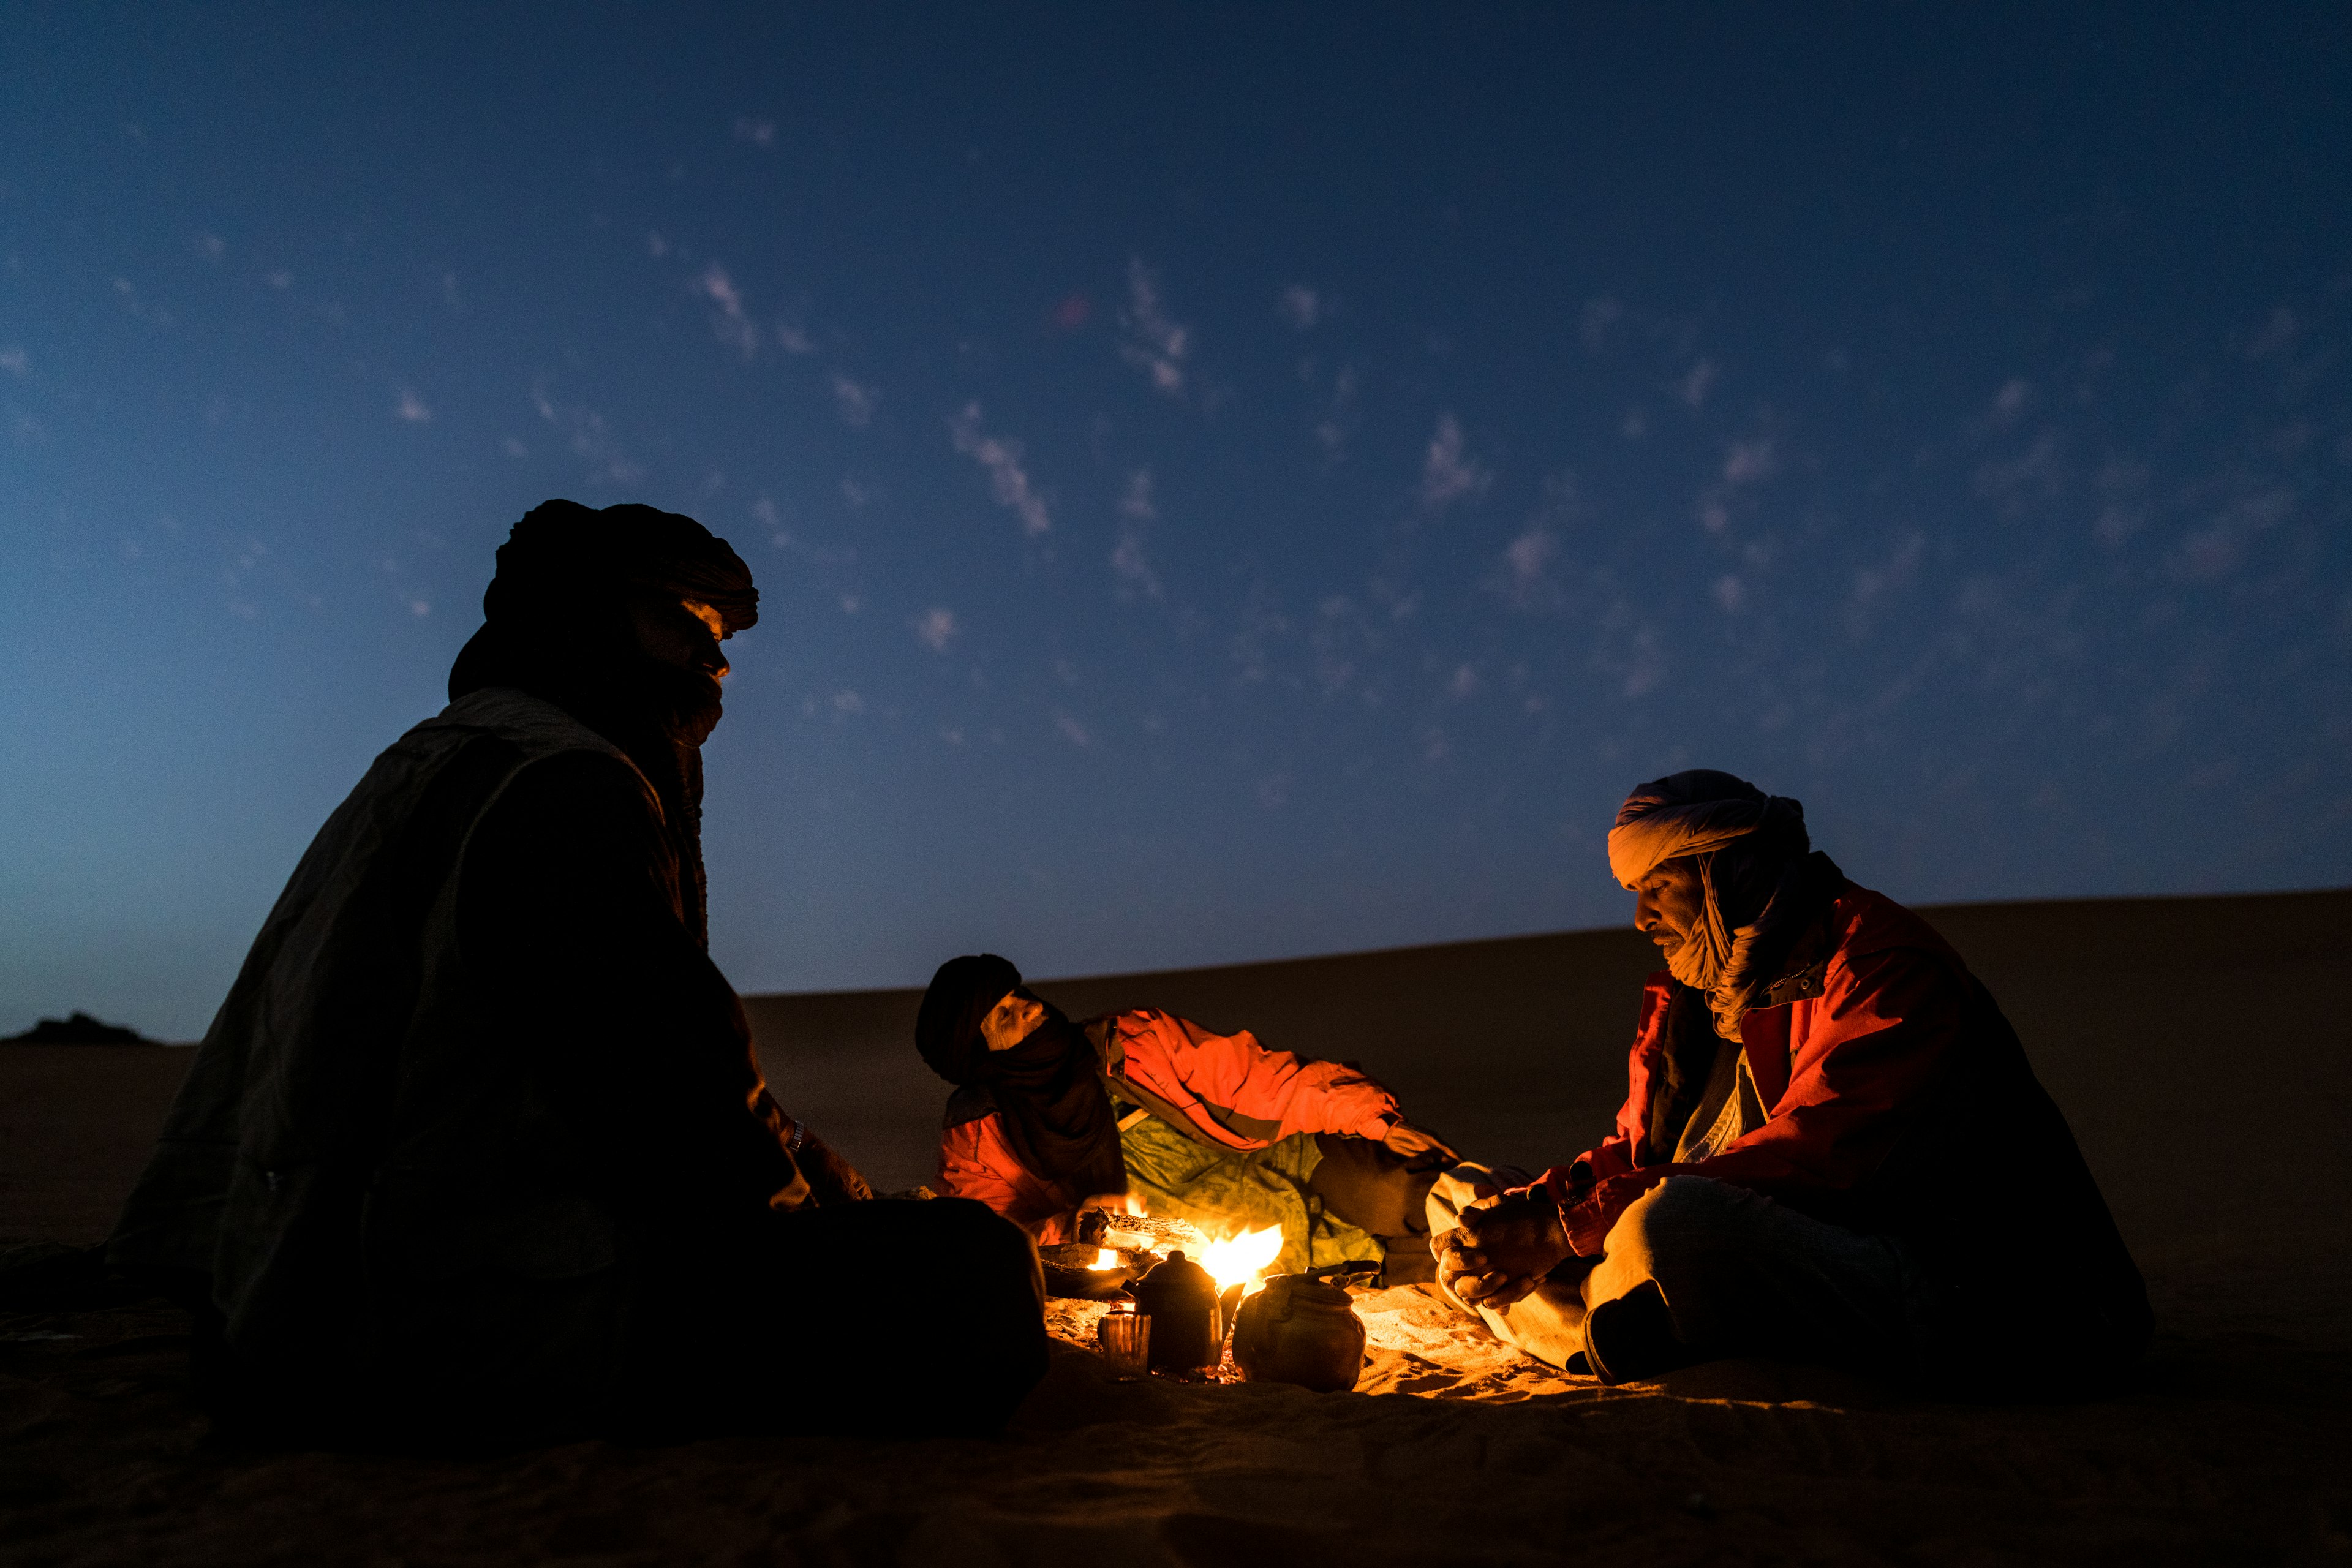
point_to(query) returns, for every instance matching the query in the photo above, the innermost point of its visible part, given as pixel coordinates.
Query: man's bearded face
(678, 641)
(1670, 903)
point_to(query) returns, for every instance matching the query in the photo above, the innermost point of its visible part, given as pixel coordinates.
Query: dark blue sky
(1224, 484)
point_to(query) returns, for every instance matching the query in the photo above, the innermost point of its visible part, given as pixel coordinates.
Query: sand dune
(2192, 1042)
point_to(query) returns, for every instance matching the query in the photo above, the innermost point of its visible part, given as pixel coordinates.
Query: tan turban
(1703, 814)
(1686, 814)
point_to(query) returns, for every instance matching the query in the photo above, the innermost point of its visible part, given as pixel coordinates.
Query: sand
(2190, 1041)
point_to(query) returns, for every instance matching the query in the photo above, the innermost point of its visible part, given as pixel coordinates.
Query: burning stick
(1135, 1232)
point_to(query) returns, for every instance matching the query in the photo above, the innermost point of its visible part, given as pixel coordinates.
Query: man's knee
(1688, 1233)
(971, 1241)
(1680, 1216)
(989, 1256)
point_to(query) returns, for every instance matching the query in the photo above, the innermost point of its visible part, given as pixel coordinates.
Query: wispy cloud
(2122, 485)
(1747, 463)
(1629, 651)
(1072, 731)
(1534, 571)
(1261, 622)
(1001, 457)
(758, 132)
(1136, 501)
(16, 360)
(1600, 320)
(1153, 343)
(1343, 639)
(1128, 561)
(1300, 306)
(411, 410)
(1750, 462)
(855, 401)
(2277, 334)
(1874, 586)
(2037, 473)
(1525, 578)
(1447, 472)
(1699, 384)
(586, 434)
(2215, 549)
(1332, 431)
(936, 627)
(733, 324)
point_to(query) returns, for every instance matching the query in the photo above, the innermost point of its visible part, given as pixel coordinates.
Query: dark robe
(478, 1146)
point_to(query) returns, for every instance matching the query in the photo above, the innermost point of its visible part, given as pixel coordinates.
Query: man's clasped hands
(1503, 1246)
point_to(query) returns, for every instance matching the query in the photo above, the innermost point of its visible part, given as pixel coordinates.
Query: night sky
(1224, 484)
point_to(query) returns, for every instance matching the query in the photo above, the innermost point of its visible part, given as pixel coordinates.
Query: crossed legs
(1704, 1270)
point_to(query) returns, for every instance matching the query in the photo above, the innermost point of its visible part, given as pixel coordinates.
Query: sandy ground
(2192, 1042)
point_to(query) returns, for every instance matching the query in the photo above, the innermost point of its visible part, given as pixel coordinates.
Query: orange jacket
(1229, 1090)
(1898, 1103)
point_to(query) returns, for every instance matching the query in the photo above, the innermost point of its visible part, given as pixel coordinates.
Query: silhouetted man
(477, 1144)
(1832, 1148)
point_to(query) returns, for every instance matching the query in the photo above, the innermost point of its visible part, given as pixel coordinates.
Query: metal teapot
(1181, 1300)
(1299, 1330)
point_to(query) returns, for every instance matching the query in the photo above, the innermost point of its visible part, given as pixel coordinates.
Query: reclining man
(476, 1147)
(1833, 1148)
(1049, 1117)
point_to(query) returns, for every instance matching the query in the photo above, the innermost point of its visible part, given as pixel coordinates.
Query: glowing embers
(1105, 1259)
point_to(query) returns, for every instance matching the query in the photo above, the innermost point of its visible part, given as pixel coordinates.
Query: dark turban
(557, 623)
(1049, 1096)
(947, 1029)
(564, 554)
(1751, 853)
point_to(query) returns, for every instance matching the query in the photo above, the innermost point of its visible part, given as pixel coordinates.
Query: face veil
(1049, 1095)
(557, 623)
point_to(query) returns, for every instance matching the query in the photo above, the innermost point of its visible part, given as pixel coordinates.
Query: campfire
(1114, 1248)
(1242, 1259)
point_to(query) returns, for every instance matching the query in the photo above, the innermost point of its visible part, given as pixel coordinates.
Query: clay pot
(1181, 1300)
(1299, 1330)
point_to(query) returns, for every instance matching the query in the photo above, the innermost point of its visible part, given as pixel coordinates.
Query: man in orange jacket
(1049, 1116)
(1832, 1148)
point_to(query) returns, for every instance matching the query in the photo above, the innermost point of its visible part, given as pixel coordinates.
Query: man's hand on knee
(831, 1179)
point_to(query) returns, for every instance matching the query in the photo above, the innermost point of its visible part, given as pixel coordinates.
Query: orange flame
(1240, 1259)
